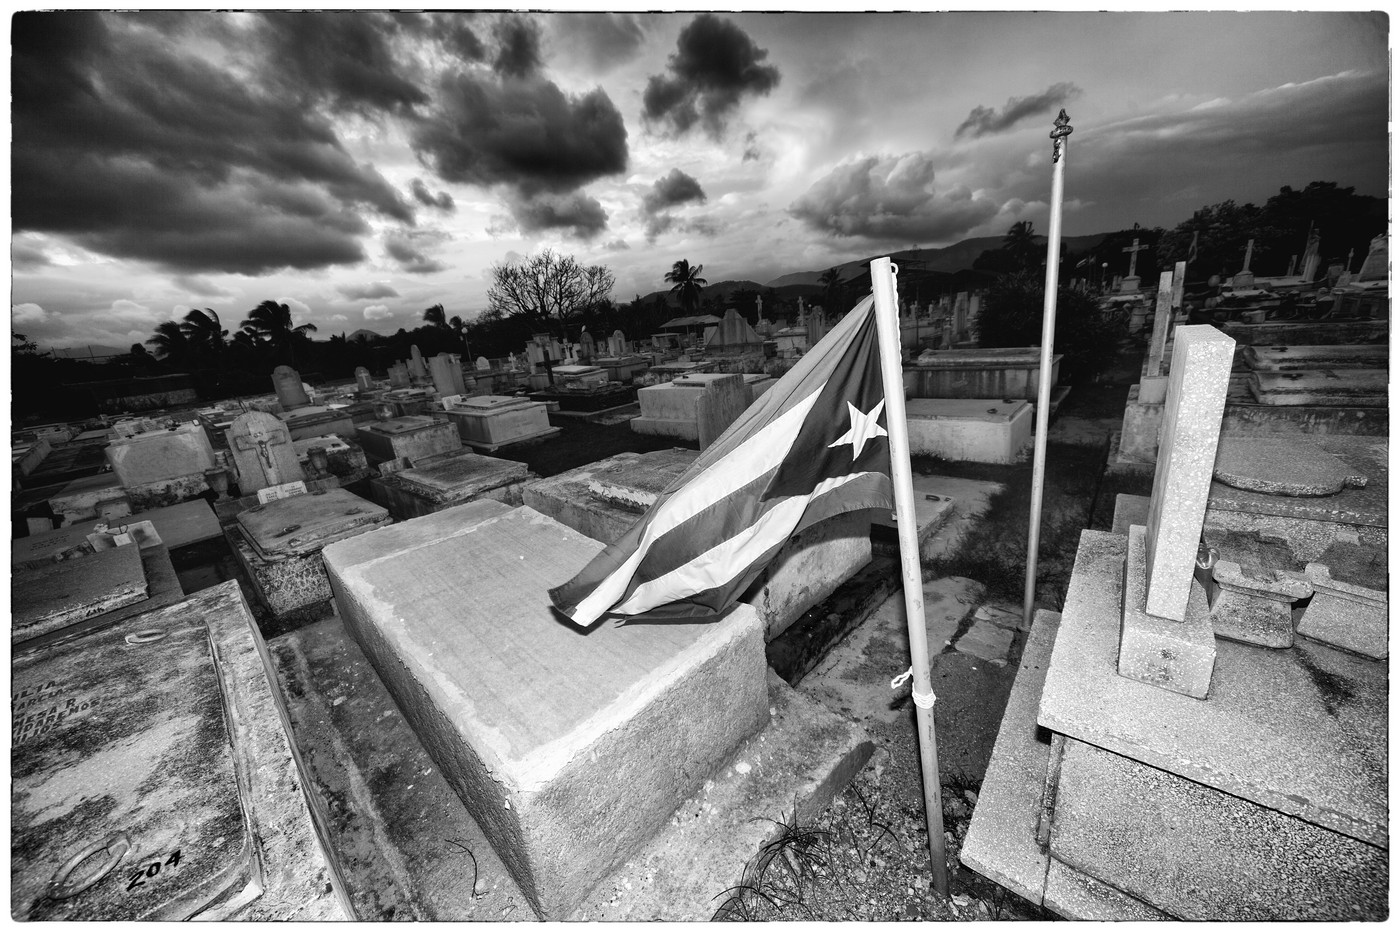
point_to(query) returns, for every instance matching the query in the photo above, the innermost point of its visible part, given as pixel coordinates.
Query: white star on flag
(863, 428)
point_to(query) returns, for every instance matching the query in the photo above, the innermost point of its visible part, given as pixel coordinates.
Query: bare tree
(547, 287)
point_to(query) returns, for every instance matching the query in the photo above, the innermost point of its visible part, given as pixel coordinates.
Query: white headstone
(262, 450)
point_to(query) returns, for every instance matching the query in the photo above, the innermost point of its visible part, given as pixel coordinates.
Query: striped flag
(811, 447)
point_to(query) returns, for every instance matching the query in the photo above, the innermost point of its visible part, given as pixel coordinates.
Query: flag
(811, 447)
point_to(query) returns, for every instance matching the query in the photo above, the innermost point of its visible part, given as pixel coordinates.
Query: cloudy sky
(362, 167)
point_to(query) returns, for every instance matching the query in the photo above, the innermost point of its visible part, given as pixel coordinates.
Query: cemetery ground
(403, 835)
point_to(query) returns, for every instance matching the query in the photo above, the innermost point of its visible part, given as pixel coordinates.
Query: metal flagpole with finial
(1060, 135)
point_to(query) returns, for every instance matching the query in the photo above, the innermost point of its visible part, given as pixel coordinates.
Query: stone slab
(1001, 838)
(794, 768)
(1175, 655)
(161, 455)
(304, 524)
(411, 436)
(1075, 896)
(61, 594)
(1300, 730)
(1346, 615)
(1367, 505)
(1282, 467)
(120, 745)
(1341, 356)
(79, 499)
(450, 479)
(1352, 387)
(985, 430)
(621, 724)
(933, 507)
(1198, 854)
(1318, 333)
(1129, 510)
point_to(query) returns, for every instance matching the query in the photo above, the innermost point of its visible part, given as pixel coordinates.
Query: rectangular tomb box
(570, 749)
(318, 420)
(1011, 372)
(49, 596)
(152, 778)
(279, 544)
(486, 422)
(580, 376)
(450, 479)
(605, 498)
(344, 458)
(412, 436)
(696, 407)
(984, 430)
(161, 455)
(82, 498)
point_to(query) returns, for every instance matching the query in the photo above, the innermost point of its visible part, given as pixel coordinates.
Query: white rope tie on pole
(921, 700)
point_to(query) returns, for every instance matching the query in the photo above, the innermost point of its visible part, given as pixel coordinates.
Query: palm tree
(271, 322)
(436, 316)
(1019, 242)
(831, 281)
(170, 342)
(687, 284)
(460, 327)
(204, 331)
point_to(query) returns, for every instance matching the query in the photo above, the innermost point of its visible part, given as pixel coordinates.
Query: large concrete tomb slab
(985, 430)
(51, 596)
(569, 748)
(412, 436)
(488, 422)
(442, 481)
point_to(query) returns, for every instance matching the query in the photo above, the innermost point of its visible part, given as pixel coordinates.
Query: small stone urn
(217, 478)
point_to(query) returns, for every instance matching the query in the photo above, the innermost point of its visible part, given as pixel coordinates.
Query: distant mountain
(89, 351)
(369, 334)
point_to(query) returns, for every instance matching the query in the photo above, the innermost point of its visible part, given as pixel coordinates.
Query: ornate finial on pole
(1058, 134)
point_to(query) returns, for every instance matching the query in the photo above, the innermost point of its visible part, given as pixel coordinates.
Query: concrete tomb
(695, 407)
(88, 497)
(318, 420)
(604, 499)
(50, 595)
(262, 450)
(164, 787)
(734, 334)
(986, 430)
(619, 726)
(291, 395)
(411, 436)
(345, 459)
(487, 423)
(445, 480)
(279, 544)
(1005, 373)
(162, 467)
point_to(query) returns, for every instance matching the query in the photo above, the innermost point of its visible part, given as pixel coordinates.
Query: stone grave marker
(617, 344)
(1132, 282)
(398, 376)
(417, 370)
(447, 374)
(1245, 278)
(1153, 386)
(1167, 636)
(363, 381)
(960, 316)
(1376, 266)
(484, 365)
(588, 347)
(57, 594)
(288, 386)
(262, 452)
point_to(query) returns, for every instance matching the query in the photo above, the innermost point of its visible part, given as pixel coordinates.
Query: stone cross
(588, 347)
(1132, 252)
(1248, 255)
(262, 451)
(1350, 253)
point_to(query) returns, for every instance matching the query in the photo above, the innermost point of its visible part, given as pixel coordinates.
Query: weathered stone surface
(136, 761)
(1001, 839)
(1254, 604)
(1282, 467)
(696, 407)
(161, 455)
(54, 596)
(286, 382)
(1348, 387)
(985, 430)
(450, 479)
(1175, 655)
(306, 523)
(412, 436)
(1011, 372)
(318, 420)
(620, 725)
(1199, 854)
(1346, 615)
(1367, 505)
(1299, 730)
(1310, 333)
(447, 374)
(1287, 359)
(1129, 510)
(79, 499)
(487, 422)
(262, 450)
(1200, 372)
(1075, 896)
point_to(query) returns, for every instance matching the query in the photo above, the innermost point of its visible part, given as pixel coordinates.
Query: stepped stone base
(1177, 656)
(569, 748)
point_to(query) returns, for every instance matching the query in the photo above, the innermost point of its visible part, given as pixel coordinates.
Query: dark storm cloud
(523, 133)
(519, 52)
(367, 292)
(576, 213)
(408, 249)
(442, 200)
(715, 64)
(136, 146)
(890, 197)
(675, 187)
(26, 256)
(984, 120)
(345, 56)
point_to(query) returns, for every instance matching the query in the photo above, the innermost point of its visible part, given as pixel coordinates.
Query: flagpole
(1047, 345)
(887, 326)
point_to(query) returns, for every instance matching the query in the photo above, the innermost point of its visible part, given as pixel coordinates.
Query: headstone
(417, 370)
(1311, 255)
(447, 374)
(816, 326)
(1244, 278)
(734, 331)
(290, 393)
(398, 376)
(1377, 264)
(588, 348)
(1132, 282)
(262, 452)
(801, 311)
(1161, 324)
(960, 317)
(483, 364)
(363, 381)
(974, 310)
(617, 344)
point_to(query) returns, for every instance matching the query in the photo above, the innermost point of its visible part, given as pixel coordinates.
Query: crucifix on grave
(262, 452)
(1131, 283)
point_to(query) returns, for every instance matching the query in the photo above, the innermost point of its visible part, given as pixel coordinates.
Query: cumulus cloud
(714, 66)
(137, 146)
(890, 197)
(346, 56)
(616, 244)
(984, 120)
(577, 214)
(337, 317)
(29, 314)
(599, 41)
(675, 187)
(519, 41)
(368, 292)
(441, 201)
(408, 249)
(377, 312)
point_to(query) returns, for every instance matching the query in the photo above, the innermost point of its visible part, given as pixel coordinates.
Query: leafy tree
(1012, 313)
(547, 288)
(203, 331)
(686, 284)
(170, 343)
(271, 323)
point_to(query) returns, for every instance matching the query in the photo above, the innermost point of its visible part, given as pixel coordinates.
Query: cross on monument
(1248, 255)
(260, 439)
(1132, 261)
